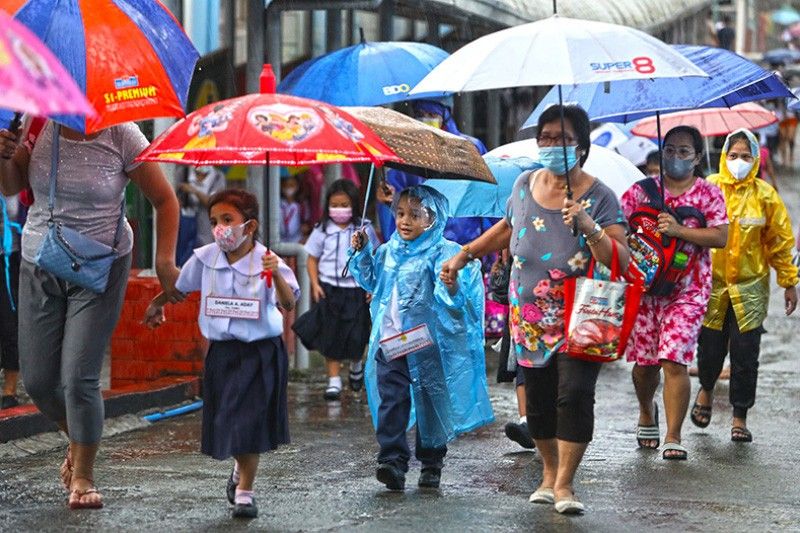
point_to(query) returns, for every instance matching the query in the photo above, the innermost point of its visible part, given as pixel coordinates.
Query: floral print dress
(544, 253)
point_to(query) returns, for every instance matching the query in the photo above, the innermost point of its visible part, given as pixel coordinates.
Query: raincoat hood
(725, 175)
(437, 207)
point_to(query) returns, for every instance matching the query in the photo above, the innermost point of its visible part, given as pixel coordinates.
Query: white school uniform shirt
(208, 271)
(331, 246)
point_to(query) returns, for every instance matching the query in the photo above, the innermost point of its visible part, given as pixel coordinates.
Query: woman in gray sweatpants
(65, 329)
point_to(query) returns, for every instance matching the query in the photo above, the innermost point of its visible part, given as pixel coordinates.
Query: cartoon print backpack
(661, 261)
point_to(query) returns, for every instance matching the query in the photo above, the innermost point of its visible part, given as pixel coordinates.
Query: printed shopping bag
(599, 314)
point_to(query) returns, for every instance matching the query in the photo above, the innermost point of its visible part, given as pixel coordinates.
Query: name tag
(227, 307)
(406, 342)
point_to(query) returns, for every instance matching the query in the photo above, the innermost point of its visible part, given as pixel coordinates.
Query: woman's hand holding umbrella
(8, 144)
(575, 215)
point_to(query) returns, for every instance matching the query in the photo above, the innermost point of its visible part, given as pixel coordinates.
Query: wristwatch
(595, 230)
(465, 249)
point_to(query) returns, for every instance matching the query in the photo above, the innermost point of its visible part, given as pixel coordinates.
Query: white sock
(335, 381)
(236, 472)
(244, 497)
(523, 419)
(356, 366)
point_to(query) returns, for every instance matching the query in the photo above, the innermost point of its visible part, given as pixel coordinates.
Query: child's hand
(359, 240)
(270, 262)
(369, 298)
(154, 316)
(317, 292)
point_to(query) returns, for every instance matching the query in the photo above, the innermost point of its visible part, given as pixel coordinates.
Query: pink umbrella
(32, 80)
(710, 121)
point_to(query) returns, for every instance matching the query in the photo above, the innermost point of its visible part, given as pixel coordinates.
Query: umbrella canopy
(785, 16)
(782, 56)
(366, 74)
(32, 80)
(424, 151)
(711, 122)
(556, 50)
(277, 129)
(795, 105)
(471, 198)
(130, 57)
(732, 80)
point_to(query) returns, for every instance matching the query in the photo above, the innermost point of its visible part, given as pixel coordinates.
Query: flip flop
(647, 433)
(740, 434)
(682, 454)
(700, 411)
(79, 494)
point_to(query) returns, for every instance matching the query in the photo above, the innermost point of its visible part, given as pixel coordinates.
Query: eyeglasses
(744, 157)
(548, 140)
(682, 152)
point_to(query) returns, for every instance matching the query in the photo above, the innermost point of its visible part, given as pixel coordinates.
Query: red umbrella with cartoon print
(268, 129)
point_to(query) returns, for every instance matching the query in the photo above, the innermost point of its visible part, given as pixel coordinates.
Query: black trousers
(560, 399)
(9, 351)
(744, 348)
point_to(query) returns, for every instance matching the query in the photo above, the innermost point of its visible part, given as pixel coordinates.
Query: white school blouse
(209, 272)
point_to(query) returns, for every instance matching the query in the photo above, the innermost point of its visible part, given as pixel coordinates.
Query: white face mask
(739, 168)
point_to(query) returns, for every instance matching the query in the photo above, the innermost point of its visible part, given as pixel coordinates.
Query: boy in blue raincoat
(426, 344)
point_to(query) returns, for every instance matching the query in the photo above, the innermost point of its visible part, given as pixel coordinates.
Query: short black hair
(341, 186)
(652, 158)
(578, 119)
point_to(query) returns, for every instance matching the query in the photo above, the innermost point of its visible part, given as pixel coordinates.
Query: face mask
(552, 158)
(433, 122)
(289, 192)
(739, 168)
(678, 169)
(229, 238)
(341, 215)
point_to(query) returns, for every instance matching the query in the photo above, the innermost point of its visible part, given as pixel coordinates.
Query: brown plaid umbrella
(424, 151)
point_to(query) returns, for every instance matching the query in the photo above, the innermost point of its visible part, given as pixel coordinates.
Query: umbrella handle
(267, 275)
(14, 126)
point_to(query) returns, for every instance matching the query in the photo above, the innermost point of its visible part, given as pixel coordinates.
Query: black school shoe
(430, 477)
(356, 380)
(8, 401)
(230, 489)
(392, 477)
(249, 510)
(519, 433)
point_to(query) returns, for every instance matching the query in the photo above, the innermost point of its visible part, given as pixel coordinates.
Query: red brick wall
(176, 348)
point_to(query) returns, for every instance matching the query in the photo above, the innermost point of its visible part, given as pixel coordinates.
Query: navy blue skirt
(244, 398)
(337, 326)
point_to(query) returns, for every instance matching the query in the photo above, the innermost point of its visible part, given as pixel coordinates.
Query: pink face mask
(229, 238)
(341, 215)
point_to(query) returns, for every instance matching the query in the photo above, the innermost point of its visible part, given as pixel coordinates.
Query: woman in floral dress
(538, 227)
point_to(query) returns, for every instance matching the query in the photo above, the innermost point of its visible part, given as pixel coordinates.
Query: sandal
(648, 433)
(740, 434)
(76, 498)
(701, 415)
(678, 452)
(66, 470)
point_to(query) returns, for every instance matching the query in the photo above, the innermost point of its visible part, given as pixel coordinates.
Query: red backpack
(661, 261)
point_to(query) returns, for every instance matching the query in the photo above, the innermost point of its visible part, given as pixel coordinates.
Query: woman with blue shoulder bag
(76, 256)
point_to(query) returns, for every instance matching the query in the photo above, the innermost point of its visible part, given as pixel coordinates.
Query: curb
(26, 420)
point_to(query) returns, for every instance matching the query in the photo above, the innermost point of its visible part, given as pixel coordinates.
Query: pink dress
(667, 327)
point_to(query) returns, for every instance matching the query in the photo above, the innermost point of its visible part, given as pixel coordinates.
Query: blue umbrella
(785, 16)
(733, 80)
(367, 74)
(782, 56)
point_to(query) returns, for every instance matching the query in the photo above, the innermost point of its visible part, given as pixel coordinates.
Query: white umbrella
(615, 171)
(554, 51)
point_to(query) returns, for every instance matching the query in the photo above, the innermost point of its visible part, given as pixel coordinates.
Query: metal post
(228, 39)
(333, 30)
(741, 26)
(386, 18)
(493, 117)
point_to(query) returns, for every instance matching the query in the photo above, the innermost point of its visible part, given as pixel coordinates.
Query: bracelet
(595, 230)
(465, 249)
(592, 242)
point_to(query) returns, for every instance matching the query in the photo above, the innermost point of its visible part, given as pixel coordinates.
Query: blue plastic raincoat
(449, 390)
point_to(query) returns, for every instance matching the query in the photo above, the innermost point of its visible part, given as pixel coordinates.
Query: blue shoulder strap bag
(70, 255)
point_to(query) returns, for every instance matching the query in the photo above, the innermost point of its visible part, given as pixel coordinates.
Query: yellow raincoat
(759, 236)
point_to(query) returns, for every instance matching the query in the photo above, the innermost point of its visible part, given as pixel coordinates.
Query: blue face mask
(678, 169)
(552, 158)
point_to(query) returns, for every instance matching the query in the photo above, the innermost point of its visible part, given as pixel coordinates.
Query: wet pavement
(154, 479)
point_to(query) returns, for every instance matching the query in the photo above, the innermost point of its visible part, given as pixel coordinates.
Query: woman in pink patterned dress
(667, 328)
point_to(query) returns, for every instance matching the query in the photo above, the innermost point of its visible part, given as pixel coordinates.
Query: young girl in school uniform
(338, 324)
(246, 368)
